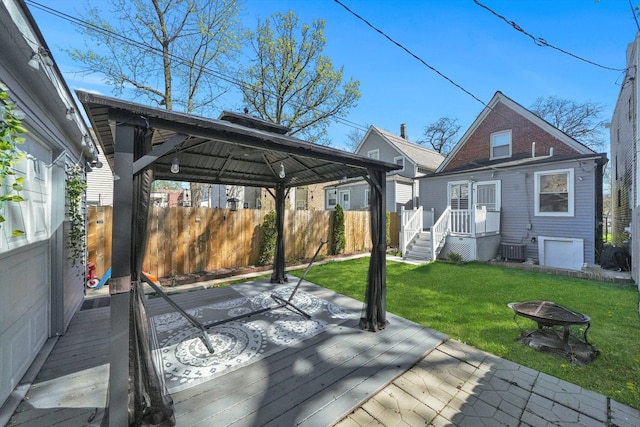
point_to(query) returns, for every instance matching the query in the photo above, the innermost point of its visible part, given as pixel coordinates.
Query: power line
(183, 61)
(422, 61)
(542, 42)
(635, 17)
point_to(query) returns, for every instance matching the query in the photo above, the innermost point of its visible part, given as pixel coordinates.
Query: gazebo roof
(236, 149)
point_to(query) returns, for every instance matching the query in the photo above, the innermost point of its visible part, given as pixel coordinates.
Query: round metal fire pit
(548, 315)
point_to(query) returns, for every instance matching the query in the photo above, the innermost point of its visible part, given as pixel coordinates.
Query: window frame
(374, 154)
(395, 160)
(570, 192)
(492, 146)
(328, 193)
(367, 195)
(461, 184)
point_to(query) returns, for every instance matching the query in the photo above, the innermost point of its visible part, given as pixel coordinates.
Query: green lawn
(468, 302)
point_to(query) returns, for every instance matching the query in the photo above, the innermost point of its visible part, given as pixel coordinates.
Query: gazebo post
(375, 315)
(120, 282)
(278, 275)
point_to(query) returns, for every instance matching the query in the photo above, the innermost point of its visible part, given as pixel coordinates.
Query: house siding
(517, 211)
(100, 184)
(404, 196)
(40, 292)
(386, 153)
(523, 134)
(625, 194)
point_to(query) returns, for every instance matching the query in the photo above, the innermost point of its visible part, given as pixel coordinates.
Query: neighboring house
(402, 186)
(41, 290)
(100, 182)
(625, 167)
(516, 187)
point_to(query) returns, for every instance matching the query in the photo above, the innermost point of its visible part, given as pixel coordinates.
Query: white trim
(492, 138)
(376, 152)
(395, 160)
(367, 195)
(341, 194)
(328, 193)
(469, 195)
(498, 185)
(570, 192)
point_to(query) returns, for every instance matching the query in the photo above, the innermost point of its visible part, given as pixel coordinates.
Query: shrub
(454, 257)
(268, 242)
(338, 241)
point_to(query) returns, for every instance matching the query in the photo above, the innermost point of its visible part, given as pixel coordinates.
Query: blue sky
(462, 40)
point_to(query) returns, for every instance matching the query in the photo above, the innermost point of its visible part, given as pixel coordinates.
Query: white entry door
(344, 199)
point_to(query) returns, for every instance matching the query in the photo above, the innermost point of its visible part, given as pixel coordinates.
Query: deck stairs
(420, 247)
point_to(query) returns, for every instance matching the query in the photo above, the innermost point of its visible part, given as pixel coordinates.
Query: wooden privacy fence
(189, 240)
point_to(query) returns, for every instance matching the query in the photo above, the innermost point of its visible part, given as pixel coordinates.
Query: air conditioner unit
(513, 251)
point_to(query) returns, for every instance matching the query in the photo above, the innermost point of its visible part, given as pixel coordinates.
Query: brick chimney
(403, 131)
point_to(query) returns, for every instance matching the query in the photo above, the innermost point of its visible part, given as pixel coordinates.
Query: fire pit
(549, 315)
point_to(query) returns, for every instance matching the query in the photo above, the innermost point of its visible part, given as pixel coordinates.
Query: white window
(459, 195)
(332, 198)
(374, 154)
(366, 198)
(399, 161)
(501, 144)
(554, 193)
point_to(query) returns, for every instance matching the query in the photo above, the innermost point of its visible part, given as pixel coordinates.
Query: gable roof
(424, 157)
(500, 98)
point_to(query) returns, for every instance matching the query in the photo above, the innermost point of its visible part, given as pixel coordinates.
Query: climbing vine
(10, 155)
(338, 241)
(76, 186)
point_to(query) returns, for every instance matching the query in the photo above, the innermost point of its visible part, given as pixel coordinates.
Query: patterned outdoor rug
(184, 361)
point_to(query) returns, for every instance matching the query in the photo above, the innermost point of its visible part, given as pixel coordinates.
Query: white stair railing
(410, 226)
(439, 232)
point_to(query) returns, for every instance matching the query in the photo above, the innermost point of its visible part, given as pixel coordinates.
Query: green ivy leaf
(17, 233)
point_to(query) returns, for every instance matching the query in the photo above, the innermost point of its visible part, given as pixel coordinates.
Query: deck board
(315, 382)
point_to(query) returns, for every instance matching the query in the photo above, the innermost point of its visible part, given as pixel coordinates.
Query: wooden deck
(315, 382)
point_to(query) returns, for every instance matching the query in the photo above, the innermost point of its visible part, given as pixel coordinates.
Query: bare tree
(441, 134)
(582, 121)
(290, 82)
(354, 138)
(164, 51)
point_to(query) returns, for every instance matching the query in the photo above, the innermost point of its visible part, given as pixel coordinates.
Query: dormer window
(501, 144)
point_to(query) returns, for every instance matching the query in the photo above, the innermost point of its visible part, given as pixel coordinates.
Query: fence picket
(187, 240)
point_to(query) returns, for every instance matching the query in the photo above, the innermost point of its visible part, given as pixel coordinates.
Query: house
(625, 168)
(402, 186)
(41, 287)
(99, 182)
(516, 187)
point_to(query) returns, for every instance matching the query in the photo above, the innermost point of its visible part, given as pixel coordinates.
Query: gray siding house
(402, 186)
(625, 168)
(41, 291)
(513, 187)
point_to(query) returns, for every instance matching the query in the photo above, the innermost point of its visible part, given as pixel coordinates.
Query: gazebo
(141, 144)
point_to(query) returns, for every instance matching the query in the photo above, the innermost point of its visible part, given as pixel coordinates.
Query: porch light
(34, 62)
(70, 113)
(175, 165)
(282, 173)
